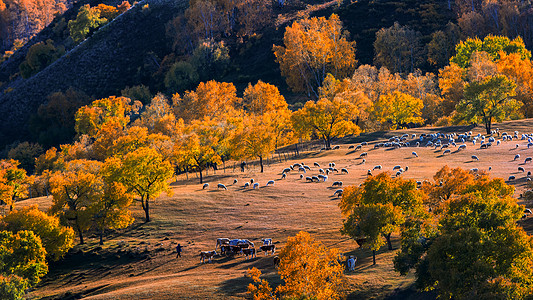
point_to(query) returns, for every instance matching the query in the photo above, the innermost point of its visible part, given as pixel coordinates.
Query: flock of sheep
(438, 141)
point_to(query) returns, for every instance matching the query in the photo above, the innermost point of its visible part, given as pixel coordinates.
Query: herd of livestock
(442, 141)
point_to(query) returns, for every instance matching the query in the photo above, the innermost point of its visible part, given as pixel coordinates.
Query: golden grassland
(140, 262)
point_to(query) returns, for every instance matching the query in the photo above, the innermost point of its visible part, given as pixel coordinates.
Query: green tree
(492, 45)
(489, 100)
(398, 48)
(378, 207)
(12, 287)
(87, 20)
(39, 56)
(111, 209)
(23, 255)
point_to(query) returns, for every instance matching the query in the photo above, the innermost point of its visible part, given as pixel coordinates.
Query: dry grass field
(140, 262)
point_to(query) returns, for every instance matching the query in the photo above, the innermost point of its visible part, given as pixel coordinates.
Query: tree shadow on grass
(239, 286)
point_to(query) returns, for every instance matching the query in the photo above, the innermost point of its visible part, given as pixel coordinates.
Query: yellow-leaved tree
(74, 191)
(397, 110)
(313, 48)
(309, 270)
(143, 172)
(56, 239)
(326, 119)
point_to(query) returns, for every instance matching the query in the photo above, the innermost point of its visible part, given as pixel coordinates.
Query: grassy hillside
(140, 262)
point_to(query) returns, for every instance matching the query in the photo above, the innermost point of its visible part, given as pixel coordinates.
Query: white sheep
(309, 178)
(270, 182)
(337, 183)
(323, 177)
(256, 185)
(397, 167)
(301, 176)
(252, 180)
(364, 154)
(286, 170)
(363, 161)
(516, 157)
(246, 184)
(378, 167)
(398, 173)
(527, 159)
(520, 169)
(336, 147)
(490, 168)
(301, 169)
(221, 186)
(475, 158)
(205, 186)
(284, 175)
(316, 164)
(321, 171)
(414, 154)
(447, 151)
(344, 170)
(234, 181)
(462, 147)
(512, 177)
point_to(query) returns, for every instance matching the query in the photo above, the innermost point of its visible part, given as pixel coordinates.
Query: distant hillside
(129, 50)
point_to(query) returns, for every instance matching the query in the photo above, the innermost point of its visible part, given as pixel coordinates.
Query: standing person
(178, 250)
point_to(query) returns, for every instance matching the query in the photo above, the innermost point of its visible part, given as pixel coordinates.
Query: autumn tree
(111, 209)
(521, 72)
(397, 109)
(197, 145)
(25, 153)
(326, 119)
(489, 100)
(309, 271)
(143, 172)
(74, 192)
(398, 48)
(210, 99)
(378, 207)
(256, 137)
(23, 260)
(313, 48)
(56, 239)
(90, 118)
(39, 56)
(91, 18)
(13, 182)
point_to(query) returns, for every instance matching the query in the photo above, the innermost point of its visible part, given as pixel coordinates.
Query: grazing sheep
(336, 147)
(307, 168)
(516, 146)
(351, 147)
(321, 171)
(398, 173)
(520, 169)
(331, 164)
(205, 186)
(527, 211)
(512, 177)
(315, 178)
(527, 159)
(363, 161)
(364, 143)
(286, 170)
(246, 184)
(221, 186)
(414, 154)
(344, 170)
(474, 170)
(316, 165)
(516, 157)
(301, 176)
(338, 193)
(309, 179)
(475, 158)
(378, 167)
(301, 169)
(368, 173)
(337, 183)
(256, 185)
(490, 168)
(528, 173)
(358, 148)
(252, 180)
(447, 151)
(324, 178)
(270, 182)
(396, 167)
(234, 181)
(462, 147)
(364, 154)
(284, 175)
(406, 168)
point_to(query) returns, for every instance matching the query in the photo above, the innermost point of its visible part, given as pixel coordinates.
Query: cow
(221, 242)
(207, 254)
(266, 241)
(249, 252)
(266, 248)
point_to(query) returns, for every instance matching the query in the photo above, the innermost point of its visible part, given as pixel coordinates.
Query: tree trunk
(201, 178)
(373, 257)
(102, 237)
(328, 142)
(79, 233)
(389, 243)
(488, 125)
(147, 210)
(261, 162)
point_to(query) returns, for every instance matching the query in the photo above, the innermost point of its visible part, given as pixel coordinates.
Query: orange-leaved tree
(309, 270)
(143, 172)
(326, 119)
(313, 48)
(13, 182)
